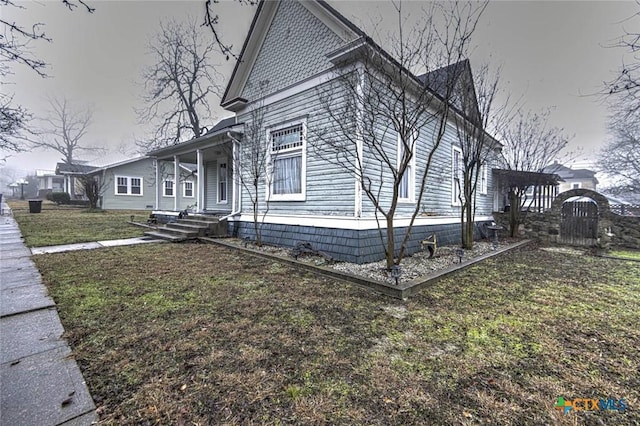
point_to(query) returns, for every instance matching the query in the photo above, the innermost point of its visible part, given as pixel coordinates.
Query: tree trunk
(514, 213)
(390, 243)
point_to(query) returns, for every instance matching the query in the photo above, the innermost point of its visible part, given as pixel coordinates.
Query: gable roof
(355, 40)
(73, 169)
(255, 39)
(569, 173)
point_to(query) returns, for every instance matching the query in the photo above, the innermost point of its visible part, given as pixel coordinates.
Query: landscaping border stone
(402, 291)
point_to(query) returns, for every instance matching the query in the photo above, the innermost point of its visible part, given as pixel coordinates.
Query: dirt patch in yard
(201, 334)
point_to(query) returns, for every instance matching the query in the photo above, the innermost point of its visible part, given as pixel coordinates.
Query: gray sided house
(131, 185)
(294, 55)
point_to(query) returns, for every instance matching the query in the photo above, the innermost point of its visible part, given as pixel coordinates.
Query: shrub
(60, 197)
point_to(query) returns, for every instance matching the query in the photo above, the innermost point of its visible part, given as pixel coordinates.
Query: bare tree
(477, 147)
(92, 187)
(252, 161)
(530, 144)
(13, 124)
(212, 19)
(620, 159)
(64, 130)
(625, 88)
(15, 40)
(380, 112)
(178, 86)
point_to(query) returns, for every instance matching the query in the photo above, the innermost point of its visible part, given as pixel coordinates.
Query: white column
(200, 180)
(235, 170)
(357, 211)
(159, 184)
(176, 183)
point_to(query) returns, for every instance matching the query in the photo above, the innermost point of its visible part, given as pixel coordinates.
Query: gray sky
(553, 54)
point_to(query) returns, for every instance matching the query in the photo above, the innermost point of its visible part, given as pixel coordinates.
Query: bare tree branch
(178, 85)
(64, 130)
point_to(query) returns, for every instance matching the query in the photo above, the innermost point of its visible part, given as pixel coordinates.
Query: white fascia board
(349, 222)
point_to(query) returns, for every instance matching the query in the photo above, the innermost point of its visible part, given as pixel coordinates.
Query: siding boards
(330, 190)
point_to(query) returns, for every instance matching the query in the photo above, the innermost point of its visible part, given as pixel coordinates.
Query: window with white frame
(406, 190)
(222, 182)
(187, 189)
(576, 185)
(126, 185)
(483, 179)
(287, 147)
(456, 175)
(167, 188)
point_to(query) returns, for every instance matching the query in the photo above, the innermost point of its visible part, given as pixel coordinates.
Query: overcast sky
(553, 54)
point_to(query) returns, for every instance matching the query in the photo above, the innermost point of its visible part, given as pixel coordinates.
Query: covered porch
(211, 160)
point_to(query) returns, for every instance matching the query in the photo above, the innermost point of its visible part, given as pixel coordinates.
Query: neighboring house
(299, 48)
(131, 185)
(48, 181)
(70, 174)
(573, 178)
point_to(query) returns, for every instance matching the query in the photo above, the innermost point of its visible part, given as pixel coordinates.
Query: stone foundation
(349, 245)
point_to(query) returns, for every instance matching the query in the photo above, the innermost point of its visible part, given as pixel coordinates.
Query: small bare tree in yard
(179, 84)
(477, 147)
(378, 111)
(252, 164)
(91, 187)
(530, 144)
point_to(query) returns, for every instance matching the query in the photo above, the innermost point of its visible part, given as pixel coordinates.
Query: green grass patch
(626, 254)
(199, 334)
(68, 224)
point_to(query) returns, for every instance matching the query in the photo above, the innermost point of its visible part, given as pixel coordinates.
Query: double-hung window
(483, 182)
(222, 182)
(167, 188)
(187, 189)
(126, 185)
(287, 150)
(406, 190)
(456, 175)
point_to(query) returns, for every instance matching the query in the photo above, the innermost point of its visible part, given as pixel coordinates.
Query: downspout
(235, 193)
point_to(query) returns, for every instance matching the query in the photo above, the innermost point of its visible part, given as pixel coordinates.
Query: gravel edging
(402, 291)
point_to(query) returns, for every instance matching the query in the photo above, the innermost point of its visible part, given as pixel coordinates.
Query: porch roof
(216, 136)
(522, 179)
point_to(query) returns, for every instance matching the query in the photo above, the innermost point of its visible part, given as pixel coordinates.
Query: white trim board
(352, 223)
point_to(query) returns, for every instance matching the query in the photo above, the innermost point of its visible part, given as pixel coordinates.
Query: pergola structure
(542, 186)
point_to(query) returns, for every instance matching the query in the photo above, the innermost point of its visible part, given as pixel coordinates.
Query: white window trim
(184, 189)
(576, 183)
(164, 188)
(128, 178)
(484, 177)
(270, 196)
(412, 168)
(218, 200)
(455, 201)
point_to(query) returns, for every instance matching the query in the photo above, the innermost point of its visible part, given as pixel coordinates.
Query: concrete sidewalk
(40, 382)
(95, 245)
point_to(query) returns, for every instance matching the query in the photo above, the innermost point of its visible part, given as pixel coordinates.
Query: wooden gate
(579, 223)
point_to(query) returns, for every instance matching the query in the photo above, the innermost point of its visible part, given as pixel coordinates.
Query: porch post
(235, 177)
(200, 181)
(176, 183)
(158, 184)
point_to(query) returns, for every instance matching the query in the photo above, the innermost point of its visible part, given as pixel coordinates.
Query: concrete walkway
(40, 382)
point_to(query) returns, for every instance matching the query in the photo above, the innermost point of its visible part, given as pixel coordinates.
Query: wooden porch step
(165, 236)
(198, 227)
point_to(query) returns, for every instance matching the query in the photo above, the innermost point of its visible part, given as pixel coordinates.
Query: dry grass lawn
(56, 225)
(198, 334)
